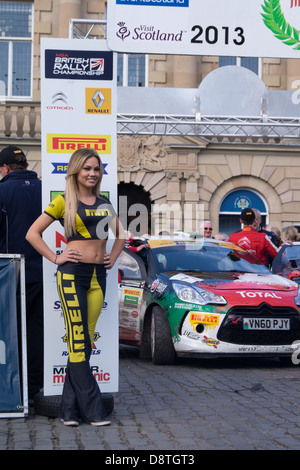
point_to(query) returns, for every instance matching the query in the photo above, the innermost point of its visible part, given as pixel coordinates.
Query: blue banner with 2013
(165, 3)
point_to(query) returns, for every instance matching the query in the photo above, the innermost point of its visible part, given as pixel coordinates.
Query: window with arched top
(233, 204)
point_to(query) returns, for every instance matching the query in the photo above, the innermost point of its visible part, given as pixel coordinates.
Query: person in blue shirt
(20, 205)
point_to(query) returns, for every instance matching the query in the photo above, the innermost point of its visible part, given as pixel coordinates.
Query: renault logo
(98, 99)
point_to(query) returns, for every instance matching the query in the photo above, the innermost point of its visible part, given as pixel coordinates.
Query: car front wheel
(162, 347)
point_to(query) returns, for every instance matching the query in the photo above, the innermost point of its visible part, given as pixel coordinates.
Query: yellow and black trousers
(81, 288)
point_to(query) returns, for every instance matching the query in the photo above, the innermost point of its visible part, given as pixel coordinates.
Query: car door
(132, 275)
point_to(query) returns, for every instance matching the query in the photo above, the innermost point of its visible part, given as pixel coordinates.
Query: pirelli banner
(78, 105)
(245, 28)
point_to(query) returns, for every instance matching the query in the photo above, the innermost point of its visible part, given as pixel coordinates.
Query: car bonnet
(237, 281)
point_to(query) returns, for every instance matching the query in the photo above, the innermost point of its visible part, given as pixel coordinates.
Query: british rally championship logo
(276, 21)
(78, 65)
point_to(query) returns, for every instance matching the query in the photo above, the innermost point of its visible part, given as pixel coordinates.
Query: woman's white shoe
(100, 423)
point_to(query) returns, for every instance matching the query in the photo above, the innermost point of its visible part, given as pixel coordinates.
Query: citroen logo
(59, 96)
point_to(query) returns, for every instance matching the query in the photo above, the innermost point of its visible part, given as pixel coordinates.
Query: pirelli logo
(208, 319)
(132, 292)
(68, 143)
(98, 212)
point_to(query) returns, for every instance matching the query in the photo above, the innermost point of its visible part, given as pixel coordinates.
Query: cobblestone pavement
(230, 404)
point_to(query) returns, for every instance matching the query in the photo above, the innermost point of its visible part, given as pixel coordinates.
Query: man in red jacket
(257, 243)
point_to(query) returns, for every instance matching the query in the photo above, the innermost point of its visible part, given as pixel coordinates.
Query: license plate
(266, 323)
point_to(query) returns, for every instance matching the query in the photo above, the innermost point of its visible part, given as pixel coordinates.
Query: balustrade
(20, 120)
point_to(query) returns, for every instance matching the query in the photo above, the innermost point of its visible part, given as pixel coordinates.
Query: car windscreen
(287, 260)
(199, 257)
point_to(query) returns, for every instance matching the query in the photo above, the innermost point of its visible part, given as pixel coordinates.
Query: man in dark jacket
(257, 225)
(20, 205)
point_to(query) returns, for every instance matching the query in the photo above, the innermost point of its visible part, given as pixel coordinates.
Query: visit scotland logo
(275, 20)
(148, 33)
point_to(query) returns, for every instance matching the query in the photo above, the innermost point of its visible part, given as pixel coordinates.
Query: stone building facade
(178, 171)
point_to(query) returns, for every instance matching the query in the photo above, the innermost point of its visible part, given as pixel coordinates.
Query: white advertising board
(78, 109)
(245, 28)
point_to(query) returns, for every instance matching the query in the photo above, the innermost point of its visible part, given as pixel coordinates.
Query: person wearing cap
(257, 243)
(20, 205)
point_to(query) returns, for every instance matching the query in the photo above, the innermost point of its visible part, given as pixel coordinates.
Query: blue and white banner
(160, 3)
(10, 378)
(243, 28)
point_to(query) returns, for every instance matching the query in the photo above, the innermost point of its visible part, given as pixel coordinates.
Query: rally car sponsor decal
(191, 335)
(261, 294)
(207, 319)
(158, 286)
(135, 292)
(211, 342)
(184, 278)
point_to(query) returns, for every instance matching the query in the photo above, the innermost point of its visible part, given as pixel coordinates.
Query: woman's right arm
(34, 237)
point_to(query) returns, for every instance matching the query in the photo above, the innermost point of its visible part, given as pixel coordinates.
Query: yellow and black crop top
(92, 222)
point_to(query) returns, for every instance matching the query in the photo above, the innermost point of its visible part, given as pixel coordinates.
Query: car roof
(174, 241)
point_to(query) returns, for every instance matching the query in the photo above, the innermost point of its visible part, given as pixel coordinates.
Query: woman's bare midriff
(92, 251)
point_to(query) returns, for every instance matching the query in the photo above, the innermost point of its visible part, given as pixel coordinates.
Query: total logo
(262, 295)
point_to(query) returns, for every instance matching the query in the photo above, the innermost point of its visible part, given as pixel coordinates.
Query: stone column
(168, 216)
(293, 74)
(67, 9)
(185, 72)
(193, 212)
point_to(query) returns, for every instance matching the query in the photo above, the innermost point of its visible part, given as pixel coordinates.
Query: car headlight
(297, 299)
(197, 295)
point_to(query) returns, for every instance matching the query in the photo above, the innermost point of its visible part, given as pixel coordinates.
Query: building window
(16, 20)
(232, 206)
(132, 70)
(251, 63)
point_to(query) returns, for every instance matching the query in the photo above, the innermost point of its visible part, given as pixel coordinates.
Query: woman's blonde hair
(290, 234)
(76, 162)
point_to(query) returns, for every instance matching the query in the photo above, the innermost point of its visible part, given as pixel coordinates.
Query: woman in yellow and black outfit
(81, 276)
